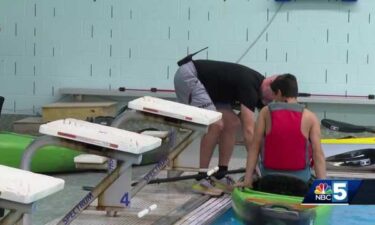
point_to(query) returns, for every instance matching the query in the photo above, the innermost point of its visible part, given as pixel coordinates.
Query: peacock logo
(323, 189)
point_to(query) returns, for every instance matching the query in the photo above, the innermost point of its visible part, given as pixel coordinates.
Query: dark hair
(287, 84)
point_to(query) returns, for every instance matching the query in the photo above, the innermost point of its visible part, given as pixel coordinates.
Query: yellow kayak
(346, 141)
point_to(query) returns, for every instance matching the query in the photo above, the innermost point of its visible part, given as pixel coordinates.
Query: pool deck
(174, 200)
(176, 203)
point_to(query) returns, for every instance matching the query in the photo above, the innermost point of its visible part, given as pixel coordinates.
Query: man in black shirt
(222, 86)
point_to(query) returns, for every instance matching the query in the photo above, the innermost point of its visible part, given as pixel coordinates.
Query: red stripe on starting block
(150, 110)
(66, 135)
(113, 145)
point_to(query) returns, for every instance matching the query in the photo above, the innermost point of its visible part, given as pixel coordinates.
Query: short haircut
(287, 84)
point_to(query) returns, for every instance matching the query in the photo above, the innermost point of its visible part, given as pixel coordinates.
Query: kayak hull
(49, 159)
(256, 207)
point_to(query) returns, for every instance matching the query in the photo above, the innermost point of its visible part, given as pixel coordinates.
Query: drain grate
(207, 211)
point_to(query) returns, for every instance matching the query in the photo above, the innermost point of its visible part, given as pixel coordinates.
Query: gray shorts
(189, 90)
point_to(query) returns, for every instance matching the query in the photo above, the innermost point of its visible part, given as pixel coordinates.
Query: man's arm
(254, 148)
(317, 151)
(248, 123)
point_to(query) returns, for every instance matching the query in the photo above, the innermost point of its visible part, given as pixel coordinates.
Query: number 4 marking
(125, 199)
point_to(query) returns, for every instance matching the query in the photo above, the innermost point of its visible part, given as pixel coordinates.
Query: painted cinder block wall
(46, 45)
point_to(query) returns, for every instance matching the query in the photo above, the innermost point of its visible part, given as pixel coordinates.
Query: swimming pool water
(340, 215)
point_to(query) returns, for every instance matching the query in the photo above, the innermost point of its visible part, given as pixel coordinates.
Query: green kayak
(258, 208)
(49, 159)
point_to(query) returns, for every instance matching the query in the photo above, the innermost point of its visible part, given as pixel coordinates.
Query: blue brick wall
(46, 45)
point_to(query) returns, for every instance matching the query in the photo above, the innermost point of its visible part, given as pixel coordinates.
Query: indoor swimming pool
(340, 215)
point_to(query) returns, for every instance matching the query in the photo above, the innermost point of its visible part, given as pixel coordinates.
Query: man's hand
(248, 184)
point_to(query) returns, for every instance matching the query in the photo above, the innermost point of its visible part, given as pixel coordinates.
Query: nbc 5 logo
(340, 191)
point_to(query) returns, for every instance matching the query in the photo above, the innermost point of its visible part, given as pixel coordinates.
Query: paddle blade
(344, 127)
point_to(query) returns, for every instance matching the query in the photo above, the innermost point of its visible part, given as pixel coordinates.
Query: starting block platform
(20, 190)
(175, 110)
(90, 161)
(97, 162)
(100, 135)
(124, 148)
(174, 115)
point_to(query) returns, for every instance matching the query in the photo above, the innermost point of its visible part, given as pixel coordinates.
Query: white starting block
(96, 134)
(175, 110)
(20, 190)
(91, 161)
(156, 133)
(97, 162)
(100, 135)
(197, 118)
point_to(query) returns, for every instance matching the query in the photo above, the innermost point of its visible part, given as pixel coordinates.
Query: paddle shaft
(370, 96)
(302, 94)
(188, 177)
(153, 89)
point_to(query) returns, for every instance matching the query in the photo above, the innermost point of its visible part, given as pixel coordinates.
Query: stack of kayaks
(355, 153)
(261, 208)
(336, 146)
(49, 159)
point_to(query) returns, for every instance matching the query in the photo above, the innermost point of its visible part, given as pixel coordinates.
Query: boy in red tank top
(286, 137)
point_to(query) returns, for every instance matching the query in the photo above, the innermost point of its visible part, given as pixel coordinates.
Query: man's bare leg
(208, 143)
(227, 138)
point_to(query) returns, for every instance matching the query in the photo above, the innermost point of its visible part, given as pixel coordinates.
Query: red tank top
(285, 147)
